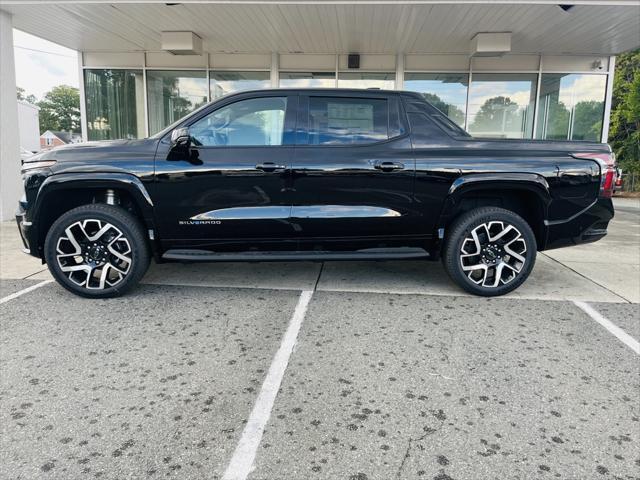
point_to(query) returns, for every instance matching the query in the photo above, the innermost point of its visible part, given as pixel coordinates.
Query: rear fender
(495, 182)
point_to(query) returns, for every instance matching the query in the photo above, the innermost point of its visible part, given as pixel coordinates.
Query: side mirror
(180, 137)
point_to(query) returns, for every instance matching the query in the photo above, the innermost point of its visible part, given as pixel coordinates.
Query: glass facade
(171, 95)
(496, 105)
(445, 91)
(384, 81)
(501, 105)
(223, 83)
(114, 104)
(307, 79)
(571, 106)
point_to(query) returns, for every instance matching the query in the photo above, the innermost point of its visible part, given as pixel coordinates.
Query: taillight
(608, 171)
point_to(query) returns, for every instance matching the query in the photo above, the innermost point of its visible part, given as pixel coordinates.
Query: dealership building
(527, 69)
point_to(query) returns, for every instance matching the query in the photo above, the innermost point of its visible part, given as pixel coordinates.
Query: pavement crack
(28, 277)
(315, 287)
(427, 431)
(225, 330)
(586, 278)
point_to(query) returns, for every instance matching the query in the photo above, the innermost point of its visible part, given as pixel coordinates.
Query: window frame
(393, 103)
(570, 132)
(334, 77)
(504, 76)
(212, 72)
(366, 72)
(289, 125)
(417, 73)
(176, 72)
(85, 100)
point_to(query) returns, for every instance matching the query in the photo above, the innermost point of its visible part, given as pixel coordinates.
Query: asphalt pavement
(354, 371)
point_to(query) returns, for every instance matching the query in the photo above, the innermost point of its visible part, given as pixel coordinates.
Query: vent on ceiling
(182, 43)
(491, 44)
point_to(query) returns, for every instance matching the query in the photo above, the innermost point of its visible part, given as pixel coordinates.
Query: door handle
(270, 167)
(388, 166)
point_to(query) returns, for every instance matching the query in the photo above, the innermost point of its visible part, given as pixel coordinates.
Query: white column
(83, 102)
(275, 73)
(607, 101)
(400, 71)
(536, 105)
(142, 107)
(10, 181)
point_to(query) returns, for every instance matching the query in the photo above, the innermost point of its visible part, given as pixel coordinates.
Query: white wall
(29, 126)
(10, 181)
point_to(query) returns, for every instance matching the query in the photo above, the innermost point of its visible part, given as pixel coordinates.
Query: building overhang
(333, 26)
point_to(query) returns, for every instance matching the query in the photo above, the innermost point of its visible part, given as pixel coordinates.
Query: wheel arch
(61, 193)
(527, 194)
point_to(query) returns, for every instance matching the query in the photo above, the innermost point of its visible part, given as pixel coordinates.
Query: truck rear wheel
(489, 251)
(97, 251)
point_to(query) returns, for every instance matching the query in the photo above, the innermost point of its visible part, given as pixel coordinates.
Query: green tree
(498, 114)
(553, 117)
(26, 98)
(624, 131)
(60, 110)
(587, 123)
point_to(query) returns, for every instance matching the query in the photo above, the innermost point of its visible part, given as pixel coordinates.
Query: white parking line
(244, 455)
(623, 336)
(22, 292)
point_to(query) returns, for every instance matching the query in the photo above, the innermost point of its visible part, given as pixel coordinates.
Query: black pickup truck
(279, 175)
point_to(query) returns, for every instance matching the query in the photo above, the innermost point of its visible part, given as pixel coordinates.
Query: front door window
(252, 122)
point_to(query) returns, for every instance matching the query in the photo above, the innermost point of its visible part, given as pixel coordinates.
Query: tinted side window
(255, 121)
(347, 121)
(423, 129)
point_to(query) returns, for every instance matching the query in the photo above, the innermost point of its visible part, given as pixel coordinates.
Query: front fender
(91, 181)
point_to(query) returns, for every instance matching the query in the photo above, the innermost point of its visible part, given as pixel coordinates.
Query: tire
(498, 242)
(97, 251)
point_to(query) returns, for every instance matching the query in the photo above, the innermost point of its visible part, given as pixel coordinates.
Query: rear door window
(347, 121)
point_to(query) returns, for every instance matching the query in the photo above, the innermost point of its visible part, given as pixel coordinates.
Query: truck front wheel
(489, 251)
(97, 251)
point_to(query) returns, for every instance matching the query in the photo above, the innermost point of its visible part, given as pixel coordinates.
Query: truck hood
(95, 150)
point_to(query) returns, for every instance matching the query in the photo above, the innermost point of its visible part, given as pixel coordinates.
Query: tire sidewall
(118, 217)
(462, 229)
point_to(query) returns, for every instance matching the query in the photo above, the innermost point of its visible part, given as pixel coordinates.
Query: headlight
(33, 165)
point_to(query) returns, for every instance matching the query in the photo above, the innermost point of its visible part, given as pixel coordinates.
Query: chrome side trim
(308, 211)
(246, 213)
(342, 211)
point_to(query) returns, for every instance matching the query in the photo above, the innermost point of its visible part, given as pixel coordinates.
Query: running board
(185, 255)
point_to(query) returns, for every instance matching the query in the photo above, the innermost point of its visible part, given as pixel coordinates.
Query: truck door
(231, 185)
(352, 172)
